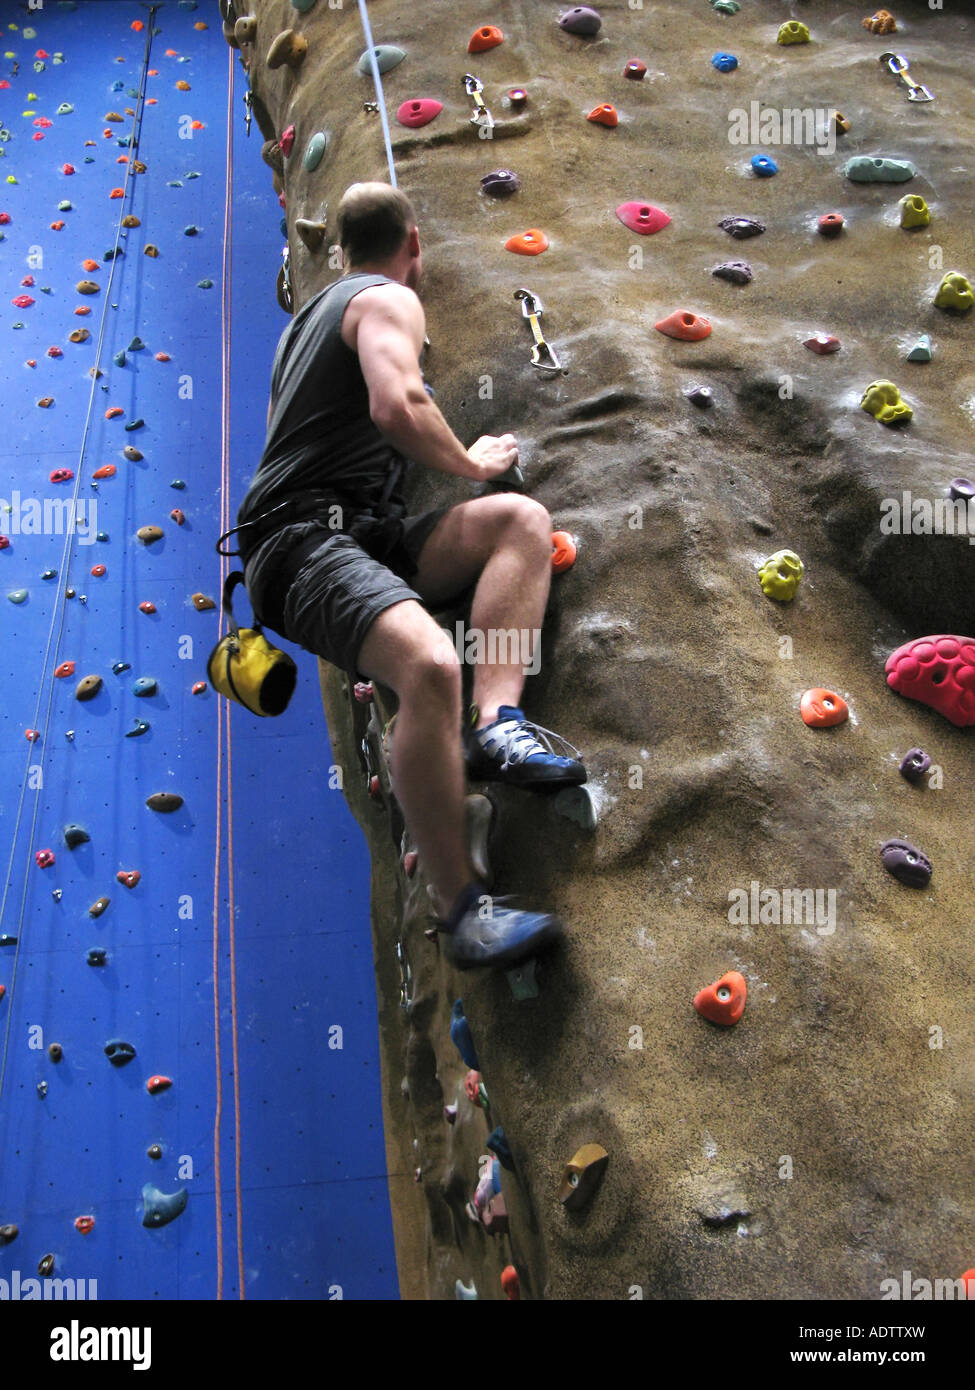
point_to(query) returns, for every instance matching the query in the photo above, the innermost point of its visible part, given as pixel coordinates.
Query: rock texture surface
(820, 1145)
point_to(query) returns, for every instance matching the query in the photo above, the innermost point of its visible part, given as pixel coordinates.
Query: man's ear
(413, 241)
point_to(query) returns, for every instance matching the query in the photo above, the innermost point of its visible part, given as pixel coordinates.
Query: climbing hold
(498, 1144)
(98, 571)
(883, 22)
(88, 687)
(203, 603)
(135, 424)
(742, 227)
(604, 115)
(466, 1293)
(97, 955)
(793, 31)
(701, 396)
(315, 150)
(75, 835)
(132, 454)
(725, 6)
(906, 863)
(954, 292)
(198, 687)
(500, 183)
(245, 29)
(494, 1218)
(842, 125)
(961, 490)
(8, 1233)
(363, 692)
(119, 666)
(474, 1089)
(823, 344)
(154, 1151)
(150, 250)
(164, 801)
(55, 1051)
(724, 1001)
(685, 325)
(141, 727)
(4, 542)
(159, 1208)
(418, 112)
(17, 595)
(883, 401)
(738, 272)
(130, 220)
(128, 877)
(113, 412)
(921, 351)
(289, 47)
(98, 907)
(460, 1034)
(915, 764)
(564, 550)
(44, 858)
(32, 735)
(388, 56)
(582, 1175)
(510, 1286)
(488, 36)
(940, 672)
(66, 668)
(119, 1052)
(148, 534)
(831, 223)
(530, 243)
(642, 217)
(764, 166)
(178, 515)
(84, 1224)
(582, 19)
(914, 211)
(287, 140)
(724, 62)
(61, 475)
(147, 606)
(158, 1083)
(107, 470)
(23, 301)
(163, 357)
(312, 234)
(864, 169)
(823, 709)
(144, 685)
(780, 574)
(517, 97)
(45, 1266)
(87, 287)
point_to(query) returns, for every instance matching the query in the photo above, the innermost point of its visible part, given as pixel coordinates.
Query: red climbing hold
(44, 858)
(67, 168)
(409, 862)
(724, 1001)
(130, 877)
(642, 217)
(163, 357)
(107, 470)
(4, 216)
(685, 325)
(420, 111)
(4, 542)
(530, 243)
(61, 475)
(563, 551)
(22, 301)
(472, 1086)
(178, 516)
(510, 1285)
(97, 571)
(287, 140)
(158, 1083)
(54, 351)
(822, 343)
(830, 224)
(517, 96)
(374, 788)
(65, 669)
(940, 672)
(84, 1224)
(488, 36)
(604, 115)
(3, 990)
(32, 735)
(147, 607)
(199, 687)
(117, 193)
(635, 69)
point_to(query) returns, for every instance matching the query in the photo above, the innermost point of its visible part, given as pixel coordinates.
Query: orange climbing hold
(163, 357)
(90, 265)
(158, 1083)
(488, 36)
(107, 470)
(197, 125)
(604, 115)
(130, 877)
(563, 551)
(98, 571)
(530, 243)
(510, 1285)
(57, 226)
(117, 193)
(82, 309)
(137, 25)
(113, 412)
(685, 325)
(822, 709)
(724, 1001)
(65, 669)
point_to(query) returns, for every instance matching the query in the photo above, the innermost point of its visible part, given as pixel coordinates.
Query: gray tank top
(320, 434)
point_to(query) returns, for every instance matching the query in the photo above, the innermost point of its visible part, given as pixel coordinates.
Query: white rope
(378, 81)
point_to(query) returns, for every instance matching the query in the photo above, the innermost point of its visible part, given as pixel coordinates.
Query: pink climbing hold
(642, 217)
(4, 542)
(419, 111)
(61, 475)
(409, 862)
(938, 671)
(287, 140)
(363, 692)
(44, 858)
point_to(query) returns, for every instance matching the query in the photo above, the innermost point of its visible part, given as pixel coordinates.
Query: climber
(334, 564)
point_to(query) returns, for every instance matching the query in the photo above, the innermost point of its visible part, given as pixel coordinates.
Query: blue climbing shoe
(501, 939)
(514, 750)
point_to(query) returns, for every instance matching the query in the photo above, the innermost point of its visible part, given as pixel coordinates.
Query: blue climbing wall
(276, 1052)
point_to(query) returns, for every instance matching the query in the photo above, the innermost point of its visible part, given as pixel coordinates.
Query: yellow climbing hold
(914, 211)
(793, 31)
(883, 401)
(954, 292)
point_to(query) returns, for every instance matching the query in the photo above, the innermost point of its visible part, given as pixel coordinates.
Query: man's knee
(430, 671)
(528, 518)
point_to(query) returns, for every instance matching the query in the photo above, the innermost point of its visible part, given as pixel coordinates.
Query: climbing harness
(543, 356)
(480, 116)
(899, 66)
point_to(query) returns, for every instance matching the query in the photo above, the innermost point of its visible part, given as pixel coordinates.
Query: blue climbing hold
(97, 955)
(144, 685)
(724, 62)
(159, 1208)
(119, 666)
(765, 168)
(460, 1035)
(498, 1145)
(75, 835)
(119, 1052)
(141, 727)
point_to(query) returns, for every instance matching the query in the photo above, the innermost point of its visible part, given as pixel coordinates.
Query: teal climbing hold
(119, 358)
(64, 109)
(178, 484)
(136, 345)
(159, 1208)
(725, 6)
(863, 168)
(174, 183)
(75, 835)
(101, 536)
(64, 206)
(17, 595)
(315, 150)
(302, 6)
(135, 424)
(141, 727)
(144, 685)
(193, 174)
(191, 230)
(388, 56)
(204, 284)
(921, 351)
(111, 253)
(49, 574)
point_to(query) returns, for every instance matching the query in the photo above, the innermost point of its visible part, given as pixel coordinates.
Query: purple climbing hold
(582, 19)
(915, 764)
(742, 227)
(701, 396)
(500, 183)
(738, 272)
(906, 862)
(962, 490)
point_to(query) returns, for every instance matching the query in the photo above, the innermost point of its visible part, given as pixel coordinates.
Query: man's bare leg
(406, 650)
(507, 541)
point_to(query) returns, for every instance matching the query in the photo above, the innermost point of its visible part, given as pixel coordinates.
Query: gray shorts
(342, 586)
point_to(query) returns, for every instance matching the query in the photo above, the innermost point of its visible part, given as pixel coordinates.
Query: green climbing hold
(174, 183)
(141, 727)
(921, 351)
(136, 345)
(302, 6)
(119, 358)
(204, 284)
(315, 150)
(388, 56)
(725, 6)
(64, 109)
(864, 169)
(193, 174)
(135, 424)
(17, 595)
(64, 206)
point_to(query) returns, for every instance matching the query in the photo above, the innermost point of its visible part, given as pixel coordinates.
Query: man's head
(377, 231)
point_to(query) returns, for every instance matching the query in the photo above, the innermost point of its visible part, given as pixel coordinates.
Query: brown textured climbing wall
(819, 1146)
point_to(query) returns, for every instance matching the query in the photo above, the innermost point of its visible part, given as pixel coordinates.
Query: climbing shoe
(481, 931)
(516, 751)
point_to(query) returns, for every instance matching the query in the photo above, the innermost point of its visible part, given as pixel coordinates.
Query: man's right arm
(388, 331)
